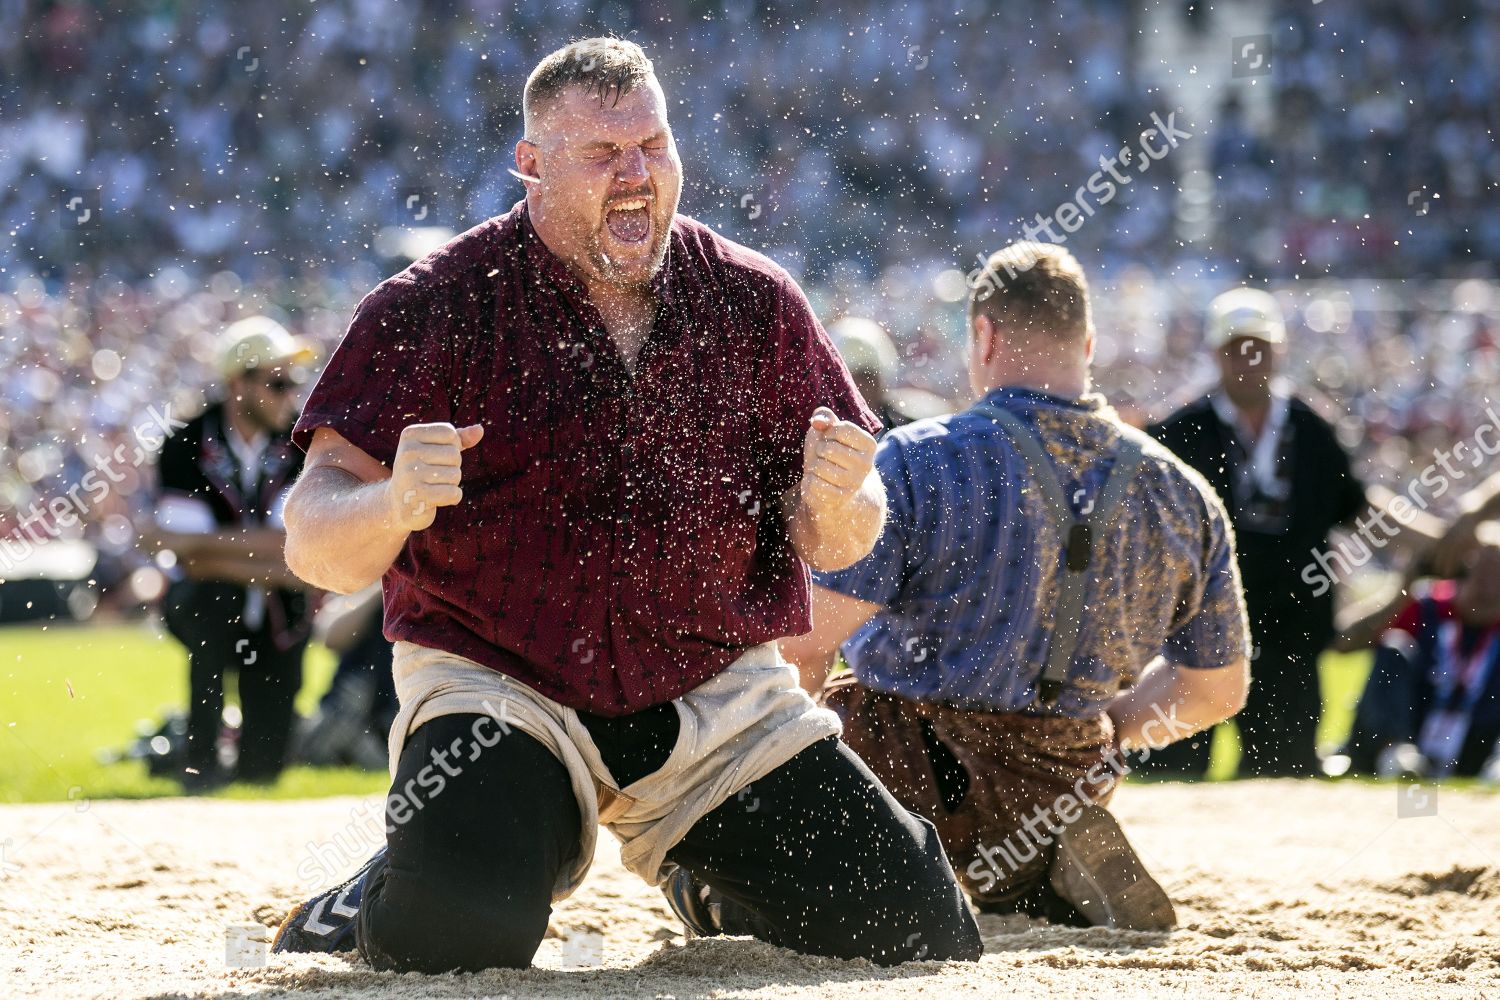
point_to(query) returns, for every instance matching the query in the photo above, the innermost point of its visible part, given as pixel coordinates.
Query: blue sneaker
(326, 922)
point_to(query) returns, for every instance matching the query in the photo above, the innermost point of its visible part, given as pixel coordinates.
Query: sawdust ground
(1282, 887)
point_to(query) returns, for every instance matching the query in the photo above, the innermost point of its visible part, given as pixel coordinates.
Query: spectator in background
(234, 605)
(1431, 706)
(1287, 482)
(354, 715)
(871, 357)
(1479, 505)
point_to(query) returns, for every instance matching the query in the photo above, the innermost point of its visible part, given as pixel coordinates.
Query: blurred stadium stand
(226, 159)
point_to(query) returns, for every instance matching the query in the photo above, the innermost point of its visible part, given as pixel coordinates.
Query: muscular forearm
(841, 536)
(1172, 703)
(341, 534)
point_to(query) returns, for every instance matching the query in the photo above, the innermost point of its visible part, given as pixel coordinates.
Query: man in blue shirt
(1052, 589)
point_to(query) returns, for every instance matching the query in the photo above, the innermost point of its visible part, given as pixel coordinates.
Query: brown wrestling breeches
(978, 776)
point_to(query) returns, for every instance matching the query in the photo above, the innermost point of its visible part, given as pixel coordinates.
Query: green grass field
(68, 692)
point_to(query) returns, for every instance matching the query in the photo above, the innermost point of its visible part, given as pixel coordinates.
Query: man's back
(968, 573)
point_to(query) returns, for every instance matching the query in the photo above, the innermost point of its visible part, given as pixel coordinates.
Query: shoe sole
(1097, 871)
(695, 914)
(281, 931)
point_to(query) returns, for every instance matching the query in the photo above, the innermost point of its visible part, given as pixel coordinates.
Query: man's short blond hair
(609, 67)
(1031, 288)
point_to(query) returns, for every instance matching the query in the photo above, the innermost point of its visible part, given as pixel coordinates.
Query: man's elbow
(309, 570)
(299, 551)
(1229, 698)
(300, 561)
(824, 561)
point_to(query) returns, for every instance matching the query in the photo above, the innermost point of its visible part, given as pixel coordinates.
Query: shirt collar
(1091, 402)
(551, 268)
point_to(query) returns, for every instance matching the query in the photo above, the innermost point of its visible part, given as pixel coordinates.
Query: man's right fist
(426, 471)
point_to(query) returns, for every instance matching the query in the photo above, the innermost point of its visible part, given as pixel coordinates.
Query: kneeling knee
(450, 931)
(942, 932)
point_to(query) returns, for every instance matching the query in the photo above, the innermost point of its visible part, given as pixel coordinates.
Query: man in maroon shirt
(591, 445)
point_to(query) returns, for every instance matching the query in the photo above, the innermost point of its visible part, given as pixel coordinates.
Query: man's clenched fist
(426, 471)
(837, 457)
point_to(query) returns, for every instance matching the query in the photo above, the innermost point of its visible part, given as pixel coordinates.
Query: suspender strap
(1078, 533)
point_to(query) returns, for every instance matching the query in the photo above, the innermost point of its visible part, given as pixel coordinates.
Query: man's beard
(632, 275)
(261, 420)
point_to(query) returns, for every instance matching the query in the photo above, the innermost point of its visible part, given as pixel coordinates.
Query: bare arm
(835, 618)
(1172, 702)
(1417, 532)
(834, 515)
(348, 517)
(1480, 504)
(1360, 625)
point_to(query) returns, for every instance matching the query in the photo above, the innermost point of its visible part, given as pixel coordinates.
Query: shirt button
(628, 450)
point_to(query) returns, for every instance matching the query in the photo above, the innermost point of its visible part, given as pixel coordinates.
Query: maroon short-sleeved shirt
(620, 540)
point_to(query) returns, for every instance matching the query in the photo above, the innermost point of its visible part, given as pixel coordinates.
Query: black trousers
(1278, 725)
(816, 856)
(206, 617)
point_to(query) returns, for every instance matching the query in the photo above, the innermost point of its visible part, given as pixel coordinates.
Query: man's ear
(985, 334)
(528, 160)
(1088, 346)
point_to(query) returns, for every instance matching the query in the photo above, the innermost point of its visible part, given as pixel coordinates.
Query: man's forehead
(577, 114)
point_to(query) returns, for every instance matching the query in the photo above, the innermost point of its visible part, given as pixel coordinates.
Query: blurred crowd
(1401, 369)
(222, 160)
(1377, 156)
(275, 141)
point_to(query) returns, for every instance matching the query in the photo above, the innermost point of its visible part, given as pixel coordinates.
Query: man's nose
(632, 166)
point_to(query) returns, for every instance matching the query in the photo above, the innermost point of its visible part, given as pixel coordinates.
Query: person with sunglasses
(222, 481)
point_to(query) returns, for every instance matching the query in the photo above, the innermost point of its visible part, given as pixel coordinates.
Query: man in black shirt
(234, 605)
(1287, 482)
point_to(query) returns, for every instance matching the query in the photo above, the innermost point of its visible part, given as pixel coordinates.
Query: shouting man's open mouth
(629, 220)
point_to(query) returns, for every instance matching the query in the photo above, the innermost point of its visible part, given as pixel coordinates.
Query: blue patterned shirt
(967, 569)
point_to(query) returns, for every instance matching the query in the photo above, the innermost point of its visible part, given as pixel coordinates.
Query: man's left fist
(837, 457)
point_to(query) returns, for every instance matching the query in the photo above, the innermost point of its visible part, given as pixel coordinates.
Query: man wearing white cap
(871, 357)
(223, 479)
(1287, 482)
